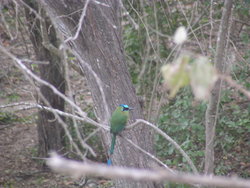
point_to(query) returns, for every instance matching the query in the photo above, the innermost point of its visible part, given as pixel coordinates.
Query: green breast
(118, 120)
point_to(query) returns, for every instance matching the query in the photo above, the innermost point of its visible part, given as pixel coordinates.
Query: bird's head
(125, 107)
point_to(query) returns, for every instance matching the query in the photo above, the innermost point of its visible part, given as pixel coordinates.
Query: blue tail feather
(109, 162)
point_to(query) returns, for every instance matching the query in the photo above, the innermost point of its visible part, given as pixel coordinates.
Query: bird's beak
(131, 108)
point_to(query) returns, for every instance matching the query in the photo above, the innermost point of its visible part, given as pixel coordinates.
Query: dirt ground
(19, 168)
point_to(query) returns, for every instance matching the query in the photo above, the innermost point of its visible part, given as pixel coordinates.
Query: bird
(118, 121)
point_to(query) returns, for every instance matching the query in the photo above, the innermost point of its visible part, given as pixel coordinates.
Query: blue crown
(124, 105)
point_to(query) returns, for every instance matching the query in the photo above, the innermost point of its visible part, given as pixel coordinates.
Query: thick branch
(78, 169)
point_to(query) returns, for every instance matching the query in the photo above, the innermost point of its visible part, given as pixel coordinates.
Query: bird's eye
(125, 109)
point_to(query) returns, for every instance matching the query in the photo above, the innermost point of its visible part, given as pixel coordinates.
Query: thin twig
(79, 23)
(136, 26)
(35, 61)
(149, 154)
(5, 24)
(211, 23)
(190, 27)
(61, 113)
(20, 65)
(100, 3)
(33, 11)
(100, 84)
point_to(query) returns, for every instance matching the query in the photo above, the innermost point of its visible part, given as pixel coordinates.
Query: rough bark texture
(212, 109)
(50, 132)
(99, 45)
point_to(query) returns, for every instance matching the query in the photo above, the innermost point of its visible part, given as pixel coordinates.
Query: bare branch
(149, 154)
(88, 120)
(235, 85)
(79, 23)
(29, 73)
(5, 24)
(107, 128)
(177, 146)
(57, 112)
(190, 27)
(35, 61)
(61, 113)
(100, 3)
(82, 64)
(211, 23)
(78, 169)
(32, 10)
(20, 65)
(134, 24)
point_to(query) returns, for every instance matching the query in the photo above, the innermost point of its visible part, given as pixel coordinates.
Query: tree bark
(99, 44)
(212, 108)
(50, 132)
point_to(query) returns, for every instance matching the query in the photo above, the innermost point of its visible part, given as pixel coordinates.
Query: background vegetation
(149, 46)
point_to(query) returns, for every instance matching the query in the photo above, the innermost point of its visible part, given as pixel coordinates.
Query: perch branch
(28, 106)
(106, 128)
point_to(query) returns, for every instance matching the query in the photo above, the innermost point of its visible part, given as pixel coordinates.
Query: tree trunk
(212, 109)
(99, 45)
(50, 132)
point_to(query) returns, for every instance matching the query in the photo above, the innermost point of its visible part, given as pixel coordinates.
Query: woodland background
(75, 49)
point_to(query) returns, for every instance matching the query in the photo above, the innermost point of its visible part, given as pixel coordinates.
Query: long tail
(111, 151)
(112, 147)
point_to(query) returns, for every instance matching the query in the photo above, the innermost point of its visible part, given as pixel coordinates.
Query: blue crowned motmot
(118, 122)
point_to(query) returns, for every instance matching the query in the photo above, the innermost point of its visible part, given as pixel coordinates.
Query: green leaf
(176, 75)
